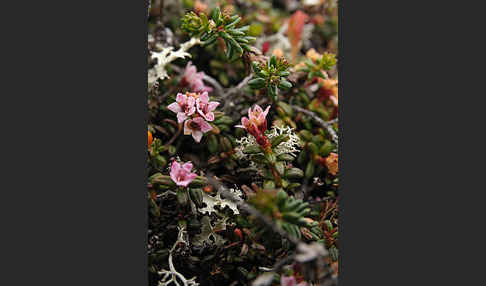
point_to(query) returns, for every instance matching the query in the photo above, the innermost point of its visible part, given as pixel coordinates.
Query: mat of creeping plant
(243, 161)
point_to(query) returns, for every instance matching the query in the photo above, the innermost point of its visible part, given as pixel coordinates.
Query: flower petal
(190, 101)
(181, 98)
(266, 111)
(205, 127)
(187, 166)
(257, 109)
(187, 179)
(212, 105)
(181, 116)
(245, 122)
(174, 170)
(204, 97)
(174, 107)
(209, 116)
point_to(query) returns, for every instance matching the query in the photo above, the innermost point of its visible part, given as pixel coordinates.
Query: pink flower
(290, 281)
(194, 79)
(182, 175)
(206, 108)
(196, 127)
(184, 106)
(257, 121)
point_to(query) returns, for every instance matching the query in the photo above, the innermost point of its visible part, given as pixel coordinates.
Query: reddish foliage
(294, 32)
(265, 47)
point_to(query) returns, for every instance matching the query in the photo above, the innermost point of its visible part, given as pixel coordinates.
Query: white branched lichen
(170, 276)
(208, 235)
(166, 56)
(288, 147)
(213, 201)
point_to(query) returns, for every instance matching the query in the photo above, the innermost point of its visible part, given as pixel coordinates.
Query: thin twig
(234, 90)
(215, 83)
(179, 130)
(327, 125)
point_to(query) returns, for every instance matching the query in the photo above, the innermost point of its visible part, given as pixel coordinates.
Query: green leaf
(211, 39)
(250, 39)
(312, 148)
(256, 66)
(294, 173)
(233, 24)
(244, 28)
(285, 157)
(273, 92)
(235, 33)
(198, 182)
(275, 141)
(212, 144)
(229, 50)
(309, 170)
(273, 60)
(196, 197)
(252, 149)
(215, 14)
(257, 83)
(284, 84)
(271, 158)
(280, 168)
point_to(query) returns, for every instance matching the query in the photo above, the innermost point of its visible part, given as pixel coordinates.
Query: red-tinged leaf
(294, 32)
(265, 47)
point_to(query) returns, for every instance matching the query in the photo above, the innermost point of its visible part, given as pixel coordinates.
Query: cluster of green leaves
(219, 26)
(279, 164)
(271, 75)
(314, 69)
(315, 140)
(294, 212)
(290, 214)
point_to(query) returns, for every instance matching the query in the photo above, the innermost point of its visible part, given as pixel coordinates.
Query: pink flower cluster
(181, 174)
(256, 124)
(194, 79)
(194, 109)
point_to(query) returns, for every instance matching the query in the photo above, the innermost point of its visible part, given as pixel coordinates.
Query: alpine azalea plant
(195, 123)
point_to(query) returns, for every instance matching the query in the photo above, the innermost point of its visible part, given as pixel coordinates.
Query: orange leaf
(294, 32)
